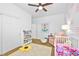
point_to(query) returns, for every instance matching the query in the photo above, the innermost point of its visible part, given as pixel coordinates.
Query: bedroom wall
(54, 22)
(75, 30)
(73, 15)
(14, 21)
(0, 34)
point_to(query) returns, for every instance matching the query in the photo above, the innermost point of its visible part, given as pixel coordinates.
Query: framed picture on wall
(44, 27)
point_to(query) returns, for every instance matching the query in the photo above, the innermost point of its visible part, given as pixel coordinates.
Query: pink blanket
(65, 50)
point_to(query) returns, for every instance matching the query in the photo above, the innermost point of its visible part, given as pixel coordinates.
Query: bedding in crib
(65, 50)
(63, 47)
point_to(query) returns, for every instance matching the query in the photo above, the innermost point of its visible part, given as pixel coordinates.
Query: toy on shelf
(27, 37)
(26, 41)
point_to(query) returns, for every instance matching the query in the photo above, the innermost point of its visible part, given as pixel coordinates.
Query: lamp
(66, 28)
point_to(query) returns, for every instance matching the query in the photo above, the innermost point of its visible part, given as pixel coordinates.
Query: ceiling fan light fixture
(40, 7)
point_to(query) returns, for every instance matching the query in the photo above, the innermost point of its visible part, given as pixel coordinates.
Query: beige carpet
(37, 50)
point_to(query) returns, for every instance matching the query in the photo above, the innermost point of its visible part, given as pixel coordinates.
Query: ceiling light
(40, 7)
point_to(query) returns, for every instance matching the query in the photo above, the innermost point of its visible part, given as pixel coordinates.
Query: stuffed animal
(68, 43)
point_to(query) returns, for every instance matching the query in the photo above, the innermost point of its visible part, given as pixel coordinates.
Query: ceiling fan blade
(44, 9)
(47, 4)
(40, 4)
(33, 5)
(36, 10)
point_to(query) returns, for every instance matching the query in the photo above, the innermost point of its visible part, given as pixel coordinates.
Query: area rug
(37, 50)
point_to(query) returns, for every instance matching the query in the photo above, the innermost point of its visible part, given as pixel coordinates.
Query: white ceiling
(55, 8)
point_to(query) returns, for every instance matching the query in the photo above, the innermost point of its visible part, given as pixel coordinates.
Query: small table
(51, 40)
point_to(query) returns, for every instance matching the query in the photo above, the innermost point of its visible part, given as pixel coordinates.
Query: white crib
(62, 40)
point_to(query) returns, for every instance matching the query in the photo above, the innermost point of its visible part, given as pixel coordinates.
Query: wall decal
(44, 27)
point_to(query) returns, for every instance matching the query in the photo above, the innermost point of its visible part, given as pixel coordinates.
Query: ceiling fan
(40, 6)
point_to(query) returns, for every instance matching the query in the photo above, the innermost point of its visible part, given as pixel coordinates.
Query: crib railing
(75, 41)
(60, 39)
(63, 40)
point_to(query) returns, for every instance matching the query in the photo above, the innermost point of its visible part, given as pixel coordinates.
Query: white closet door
(0, 35)
(11, 33)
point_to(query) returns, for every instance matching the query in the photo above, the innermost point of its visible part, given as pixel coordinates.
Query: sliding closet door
(11, 33)
(0, 35)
